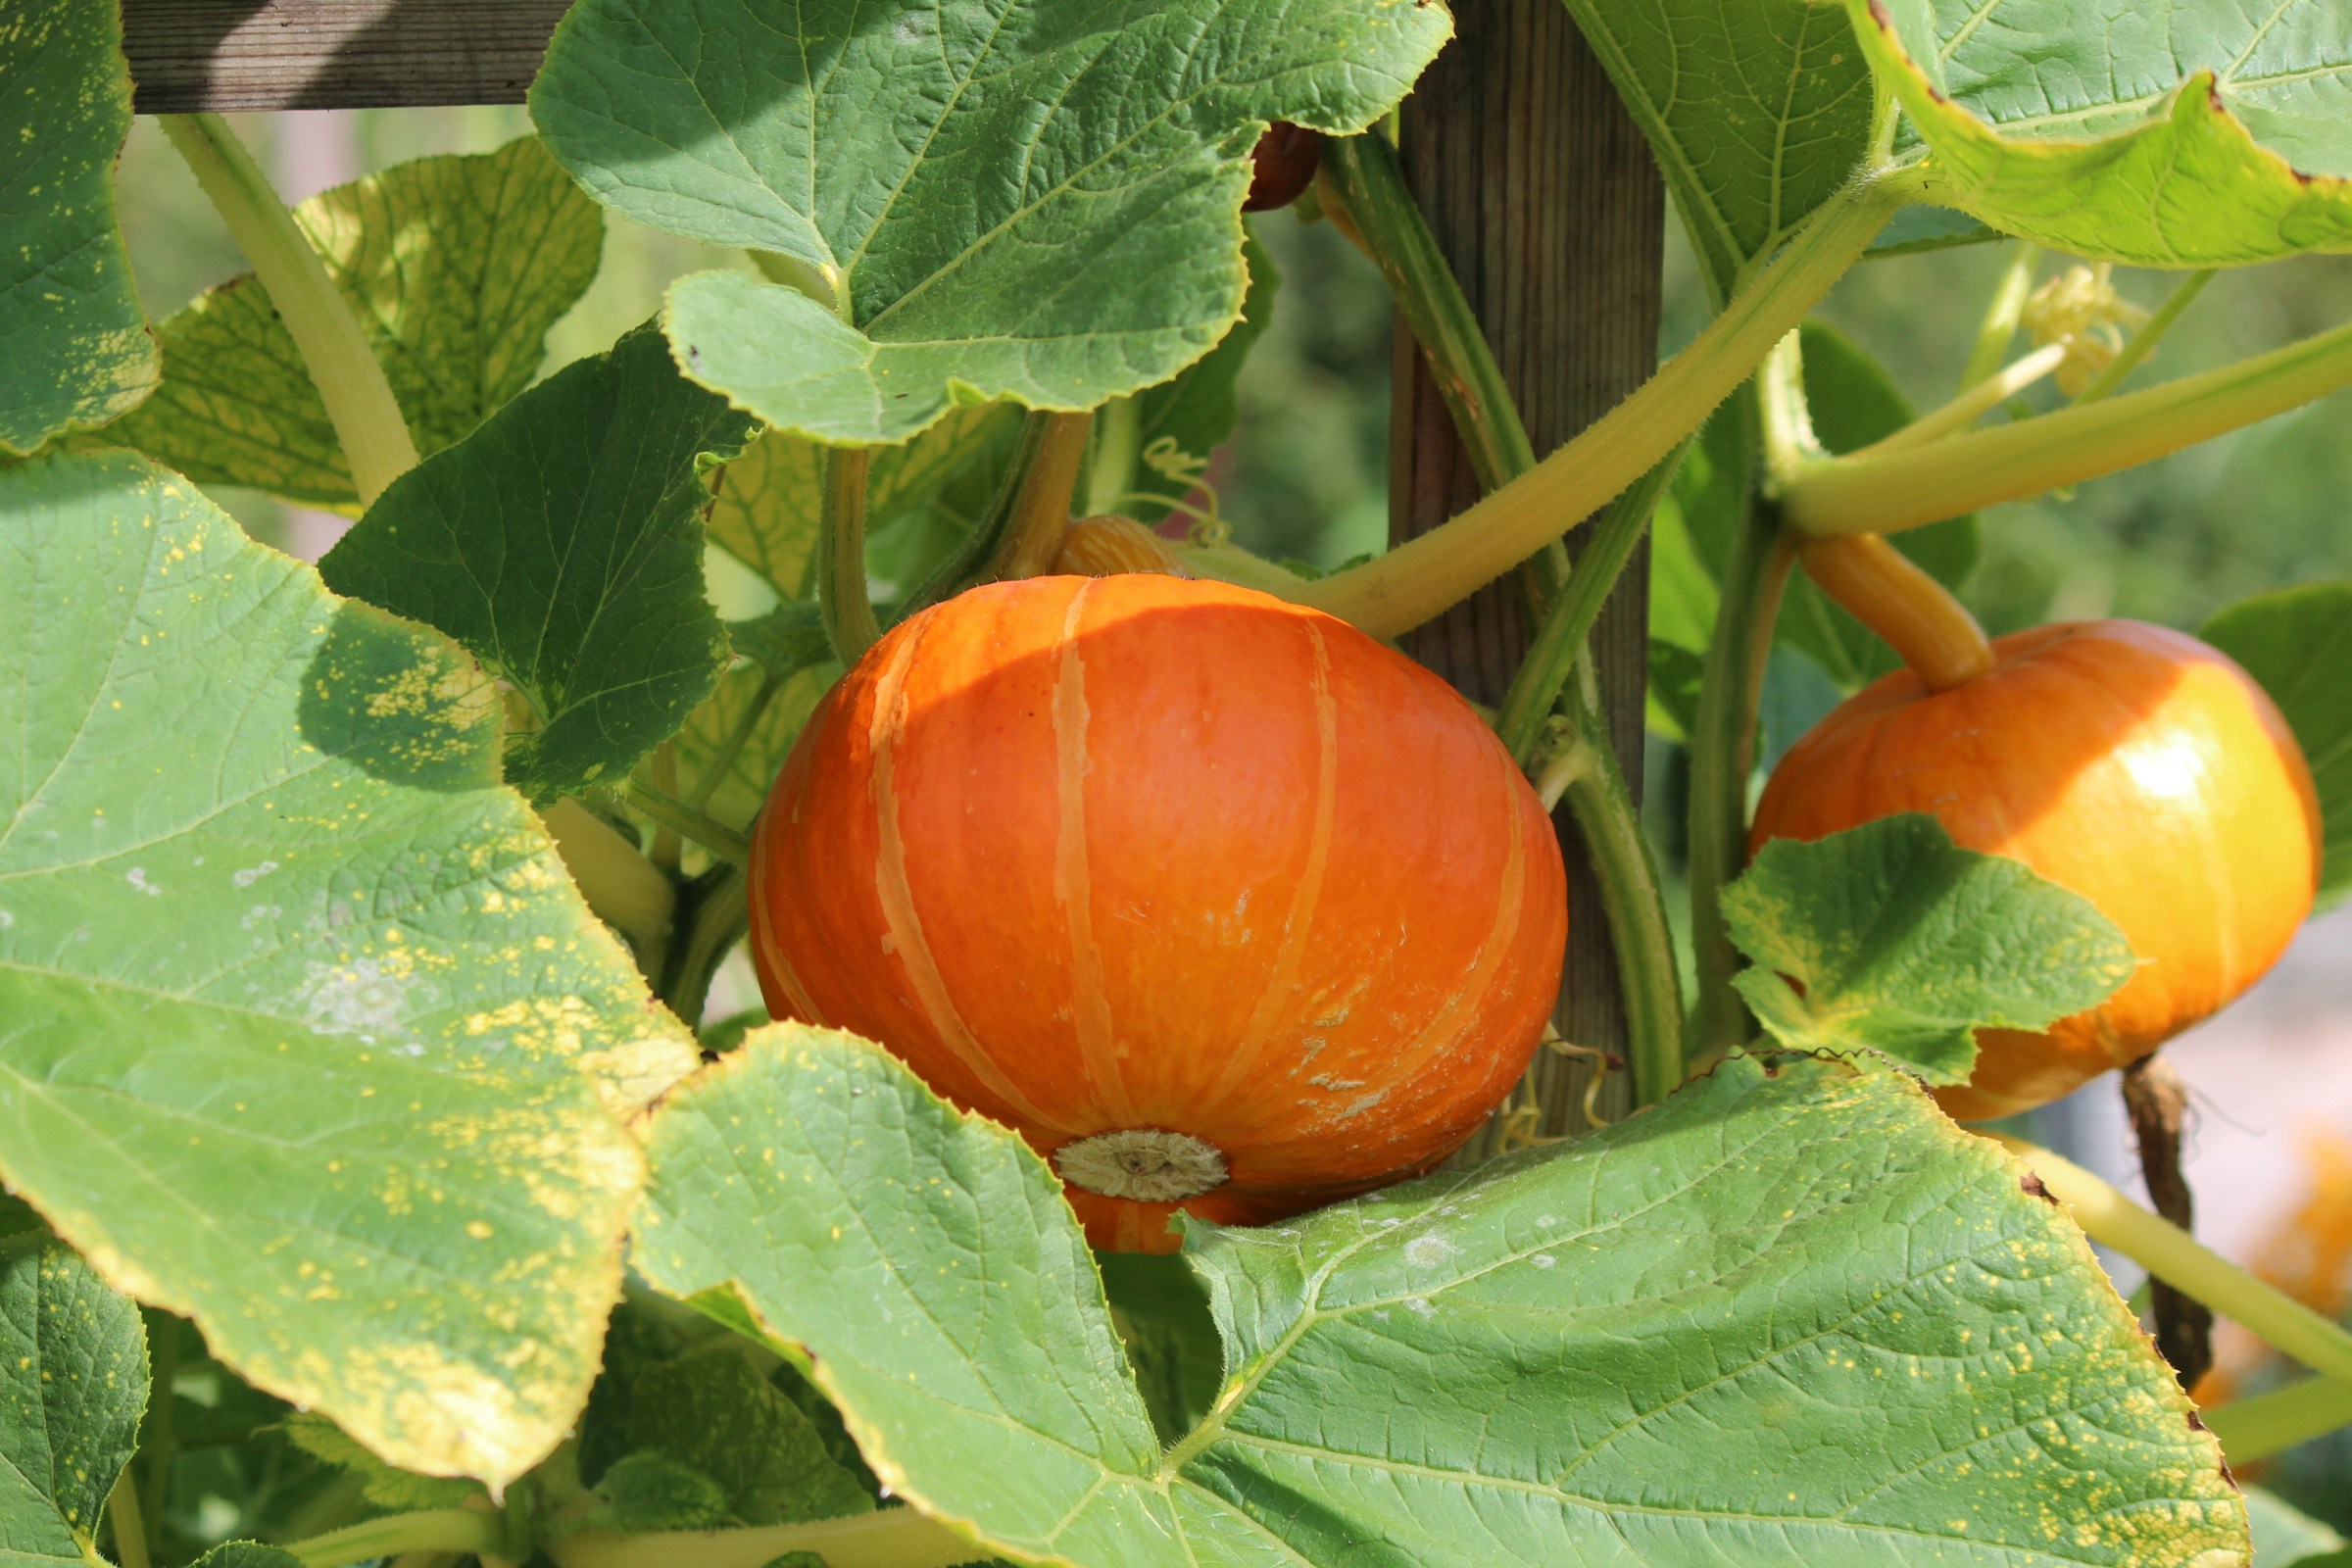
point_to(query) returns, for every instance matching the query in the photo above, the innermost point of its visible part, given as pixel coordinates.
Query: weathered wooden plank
(1548, 204)
(188, 55)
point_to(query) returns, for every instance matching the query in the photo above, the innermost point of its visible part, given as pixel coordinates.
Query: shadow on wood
(189, 55)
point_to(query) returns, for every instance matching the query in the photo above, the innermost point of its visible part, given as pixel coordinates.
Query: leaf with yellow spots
(72, 1388)
(75, 349)
(453, 267)
(304, 1032)
(1792, 1314)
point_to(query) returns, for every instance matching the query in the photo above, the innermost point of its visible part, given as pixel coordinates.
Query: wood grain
(189, 55)
(1545, 199)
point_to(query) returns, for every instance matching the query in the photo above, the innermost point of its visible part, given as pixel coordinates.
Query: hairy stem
(1559, 640)
(351, 383)
(1999, 325)
(1648, 976)
(841, 599)
(464, 1530)
(2176, 1257)
(1041, 503)
(888, 1537)
(623, 888)
(2271, 1423)
(1424, 575)
(1909, 611)
(1961, 473)
(667, 810)
(1723, 737)
(1981, 396)
(2143, 342)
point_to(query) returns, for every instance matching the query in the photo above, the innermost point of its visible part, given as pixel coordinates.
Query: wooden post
(1546, 200)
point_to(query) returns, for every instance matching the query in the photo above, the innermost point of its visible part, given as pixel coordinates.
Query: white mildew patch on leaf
(1904, 944)
(2173, 133)
(75, 349)
(1879, 1344)
(1027, 199)
(455, 266)
(304, 1031)
(1758, 112)
(73, 1390)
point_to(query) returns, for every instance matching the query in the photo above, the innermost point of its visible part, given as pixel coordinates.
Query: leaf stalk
(841, 594)
(1423, 576)
(1961, 473)
(2266, 1424)
(358, 400)
(888, 1537)
(460, 1530)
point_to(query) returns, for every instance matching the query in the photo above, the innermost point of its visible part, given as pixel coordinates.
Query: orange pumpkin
(1220, 904)
(2131, 764)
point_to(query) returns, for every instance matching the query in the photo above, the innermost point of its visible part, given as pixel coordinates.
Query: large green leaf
(1757, 111)
(75, 349)
(304, 1031)
(2176, 133)
(712, 1414)
(1904, 944)
(562, 544)
(2298, 644)
(2284, 1537)
(455, 266)
(768, 730)
(72, 1389)
(1025, 199)
(1792, 1314)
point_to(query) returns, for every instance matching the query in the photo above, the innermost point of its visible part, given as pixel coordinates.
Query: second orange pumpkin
(2131, 764)
(1220, 904)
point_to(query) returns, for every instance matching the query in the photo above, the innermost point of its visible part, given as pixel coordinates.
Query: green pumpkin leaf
(2188, 133)
(766, 508)
(304, 1032)
(1757, 111)
(561, 543)
(1165, 435)
(1163, 1320)
(2296, 643)
(248, 1554)
(1854, 402)
(1905, 944)
(454, 268)
(72, 1391)
(994, 198)
(74, 348)
(382, 1484)
(650, 1490)
(713, 1414)
(1882, 1346)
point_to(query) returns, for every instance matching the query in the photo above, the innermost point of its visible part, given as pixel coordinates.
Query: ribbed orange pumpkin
(1220, 904)
(2132, 764)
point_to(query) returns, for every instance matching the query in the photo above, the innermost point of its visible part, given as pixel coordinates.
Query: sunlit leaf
(2176, 133)
(304, 1032)
(990, 198)
(1791, 1315)
(455, 268)
(1900, 942)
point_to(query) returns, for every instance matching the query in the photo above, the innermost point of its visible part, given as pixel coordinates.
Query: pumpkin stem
(1914, 613)
(1146, 1164)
